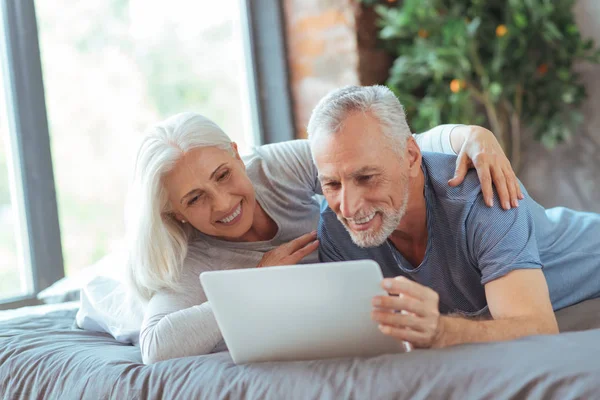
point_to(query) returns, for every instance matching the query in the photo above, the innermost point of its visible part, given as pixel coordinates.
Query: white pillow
(68, 288)
(108, 305)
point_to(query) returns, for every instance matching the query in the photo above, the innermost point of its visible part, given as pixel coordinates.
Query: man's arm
(328, 251)
(519, 303)
(503, 247)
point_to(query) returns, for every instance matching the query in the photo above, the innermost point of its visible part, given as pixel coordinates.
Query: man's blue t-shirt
(470, 244)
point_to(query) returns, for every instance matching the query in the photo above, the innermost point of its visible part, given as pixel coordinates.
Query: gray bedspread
(43, 356)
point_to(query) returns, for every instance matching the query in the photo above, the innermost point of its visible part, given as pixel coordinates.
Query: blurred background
(110, 69)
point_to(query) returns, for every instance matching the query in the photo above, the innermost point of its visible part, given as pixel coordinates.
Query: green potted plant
(512, 59)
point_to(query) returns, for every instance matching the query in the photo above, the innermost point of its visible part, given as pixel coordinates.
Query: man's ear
(413, 153)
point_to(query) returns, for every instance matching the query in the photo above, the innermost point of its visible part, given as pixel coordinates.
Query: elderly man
(455, 261)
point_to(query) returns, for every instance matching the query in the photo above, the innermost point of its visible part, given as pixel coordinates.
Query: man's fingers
(462, 167)
(393, 304)
(483, 171)
(300, 242)
(416, 338)
(398, 320)
(402, 285)
(501, 187)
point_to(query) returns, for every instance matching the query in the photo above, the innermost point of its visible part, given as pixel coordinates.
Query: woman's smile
(233, 216)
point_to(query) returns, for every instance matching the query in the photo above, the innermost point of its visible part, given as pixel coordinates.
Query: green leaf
(389, 32)
(540, 32)
(473, 26)
(572, 29)
(564, 74)
(549, 141)
(495, 90)
(552, 30)
(520, 20)
(568, 97)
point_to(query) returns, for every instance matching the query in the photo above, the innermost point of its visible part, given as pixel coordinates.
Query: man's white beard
(390, 219)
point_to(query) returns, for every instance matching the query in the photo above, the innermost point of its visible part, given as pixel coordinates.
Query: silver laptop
(299, 312)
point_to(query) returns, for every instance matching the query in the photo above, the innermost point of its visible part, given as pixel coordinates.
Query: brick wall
(322, 51)
(330, 43)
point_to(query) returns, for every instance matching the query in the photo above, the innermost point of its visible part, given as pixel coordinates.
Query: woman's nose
(221, 202)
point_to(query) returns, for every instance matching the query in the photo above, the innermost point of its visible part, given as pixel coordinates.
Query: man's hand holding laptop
(411, 312)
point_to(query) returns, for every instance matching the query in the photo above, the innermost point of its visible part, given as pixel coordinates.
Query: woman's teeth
(364, 220)
(230, 218)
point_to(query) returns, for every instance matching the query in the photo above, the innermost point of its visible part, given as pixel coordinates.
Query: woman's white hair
(157, 241)
(380, 102)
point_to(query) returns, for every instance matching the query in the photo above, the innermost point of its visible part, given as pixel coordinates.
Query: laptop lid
(299, 312)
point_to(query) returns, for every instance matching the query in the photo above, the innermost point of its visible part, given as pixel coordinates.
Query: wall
(322, 51)
(570, 175)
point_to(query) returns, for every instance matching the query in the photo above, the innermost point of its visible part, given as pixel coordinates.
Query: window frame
(30, 141)
(267, 66)
(270, 105)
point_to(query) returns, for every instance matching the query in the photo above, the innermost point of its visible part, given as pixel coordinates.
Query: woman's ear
(236, 153)
(178, 217)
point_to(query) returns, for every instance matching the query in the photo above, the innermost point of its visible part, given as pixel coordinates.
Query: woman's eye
(223, 176)
(194, 200)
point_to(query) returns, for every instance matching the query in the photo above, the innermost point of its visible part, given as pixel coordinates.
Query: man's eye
(332, 185)
(223, 176)
(365, 178)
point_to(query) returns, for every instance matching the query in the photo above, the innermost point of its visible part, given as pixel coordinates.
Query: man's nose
(350, 202)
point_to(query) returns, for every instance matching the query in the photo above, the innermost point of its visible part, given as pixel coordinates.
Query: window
(15, 277)
(113, 68)
(110, 70)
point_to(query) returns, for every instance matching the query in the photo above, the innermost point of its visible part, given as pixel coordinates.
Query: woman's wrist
(458, 136)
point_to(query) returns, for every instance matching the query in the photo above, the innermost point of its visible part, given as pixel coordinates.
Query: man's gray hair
(380, 102)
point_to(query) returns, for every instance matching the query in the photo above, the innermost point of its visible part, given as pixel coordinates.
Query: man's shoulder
(335, 243)
(328, 216)
(331, 230)
(440, 169)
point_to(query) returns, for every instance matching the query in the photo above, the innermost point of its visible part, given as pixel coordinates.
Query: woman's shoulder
(283, 155)
(289, 163)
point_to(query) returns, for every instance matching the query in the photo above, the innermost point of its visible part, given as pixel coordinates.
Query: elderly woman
(196, 205)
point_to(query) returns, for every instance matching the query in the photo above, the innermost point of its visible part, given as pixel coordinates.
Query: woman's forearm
(192, 331)
(441, 139)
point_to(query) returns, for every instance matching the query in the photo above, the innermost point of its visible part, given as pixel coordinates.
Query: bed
(44, 356)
